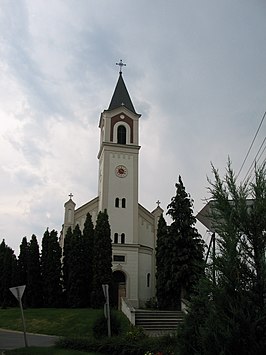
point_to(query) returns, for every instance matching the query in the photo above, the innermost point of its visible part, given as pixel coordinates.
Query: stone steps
(153, 320)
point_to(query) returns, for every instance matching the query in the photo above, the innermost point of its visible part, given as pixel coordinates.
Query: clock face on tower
(121, 171)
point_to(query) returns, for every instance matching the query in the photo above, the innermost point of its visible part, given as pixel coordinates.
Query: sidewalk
(13, 339)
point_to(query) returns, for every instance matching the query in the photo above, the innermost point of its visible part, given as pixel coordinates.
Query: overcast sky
(195, 70)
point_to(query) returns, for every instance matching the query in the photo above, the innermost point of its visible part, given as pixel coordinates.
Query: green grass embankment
(52, 321)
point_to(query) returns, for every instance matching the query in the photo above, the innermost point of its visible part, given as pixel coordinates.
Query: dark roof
(121, 96)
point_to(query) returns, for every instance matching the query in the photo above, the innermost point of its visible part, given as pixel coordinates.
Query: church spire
(121, 96)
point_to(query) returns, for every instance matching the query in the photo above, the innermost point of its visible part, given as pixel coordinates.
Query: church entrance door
(120, 287)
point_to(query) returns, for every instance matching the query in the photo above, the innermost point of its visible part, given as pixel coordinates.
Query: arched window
(123, 203)
(121, 135)
(116, 238)
(123, 238)
(148, 279)
(117, 202)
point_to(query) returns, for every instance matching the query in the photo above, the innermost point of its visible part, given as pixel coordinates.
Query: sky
(195, 71)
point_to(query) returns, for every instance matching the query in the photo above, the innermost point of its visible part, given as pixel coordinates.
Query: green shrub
(135, 334)
(110, 346)
(122, 346)
(100, 329)
(81, 344)
(151, 303)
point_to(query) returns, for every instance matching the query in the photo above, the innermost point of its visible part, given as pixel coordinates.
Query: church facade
(133, 227)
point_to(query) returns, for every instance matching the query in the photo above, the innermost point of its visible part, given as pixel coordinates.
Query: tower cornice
(128, 148)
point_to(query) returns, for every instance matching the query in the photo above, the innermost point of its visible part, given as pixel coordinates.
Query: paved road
(12, 340)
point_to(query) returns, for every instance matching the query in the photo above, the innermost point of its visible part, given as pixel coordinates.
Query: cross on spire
(158, 203)
(70, 195)
(121, 65)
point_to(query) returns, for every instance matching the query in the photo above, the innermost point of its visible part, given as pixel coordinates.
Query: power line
(251, 144)
(255, 159)
(261, 154)
(261, 165)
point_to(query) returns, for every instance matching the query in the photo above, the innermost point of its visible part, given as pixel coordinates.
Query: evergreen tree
(51, 270)
(34, 280)
(162, 251)
(254, 228)
(102, 265)
(180, 255)
(78, 264)
(8, 271)
(23, 262)
(190, 247)
(23, 267)
(76, 282)
(234, 320)
(2, 274)
(87, 258)
(67, 262)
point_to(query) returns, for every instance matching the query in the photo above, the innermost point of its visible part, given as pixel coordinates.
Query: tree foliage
(67, 263)
(87, 259)
(53, 279)
(23, 262)
(162, 249)
(102, 264)
(72, 260)
(77, 265)
(8, 274)
(51, 269)
(34, 277)
(232, 310)
(23, 259)
(179, 252)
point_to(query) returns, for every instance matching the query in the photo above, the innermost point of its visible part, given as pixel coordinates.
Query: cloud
(196, 73)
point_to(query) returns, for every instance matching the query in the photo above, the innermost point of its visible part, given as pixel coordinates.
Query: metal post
(107, 308)
(213, 259)
(18, 291)
(23, 319)
(108, 315)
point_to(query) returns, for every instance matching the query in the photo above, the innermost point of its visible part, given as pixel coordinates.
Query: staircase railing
(128, 310)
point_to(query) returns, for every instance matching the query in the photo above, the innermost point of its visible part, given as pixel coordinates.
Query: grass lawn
(76, 326)
(53, 321)
(46, 351)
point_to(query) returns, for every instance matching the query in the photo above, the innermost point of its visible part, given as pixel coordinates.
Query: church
(133, 227)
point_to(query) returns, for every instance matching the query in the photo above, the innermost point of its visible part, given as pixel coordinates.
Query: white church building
(133, 227)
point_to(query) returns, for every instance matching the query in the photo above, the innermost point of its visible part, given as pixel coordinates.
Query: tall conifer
(51, 269)
(87, 255)
(23, 267)
(102, 273)
(8, 271)
(23, 261)
(75, 273)
(180, 254)
(162, 274)
(67, 263)
(34, 279)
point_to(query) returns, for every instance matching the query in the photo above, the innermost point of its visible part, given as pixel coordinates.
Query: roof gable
(121, 96)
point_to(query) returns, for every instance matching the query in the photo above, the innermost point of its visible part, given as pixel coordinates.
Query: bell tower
(118, 164)
(133, 227)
